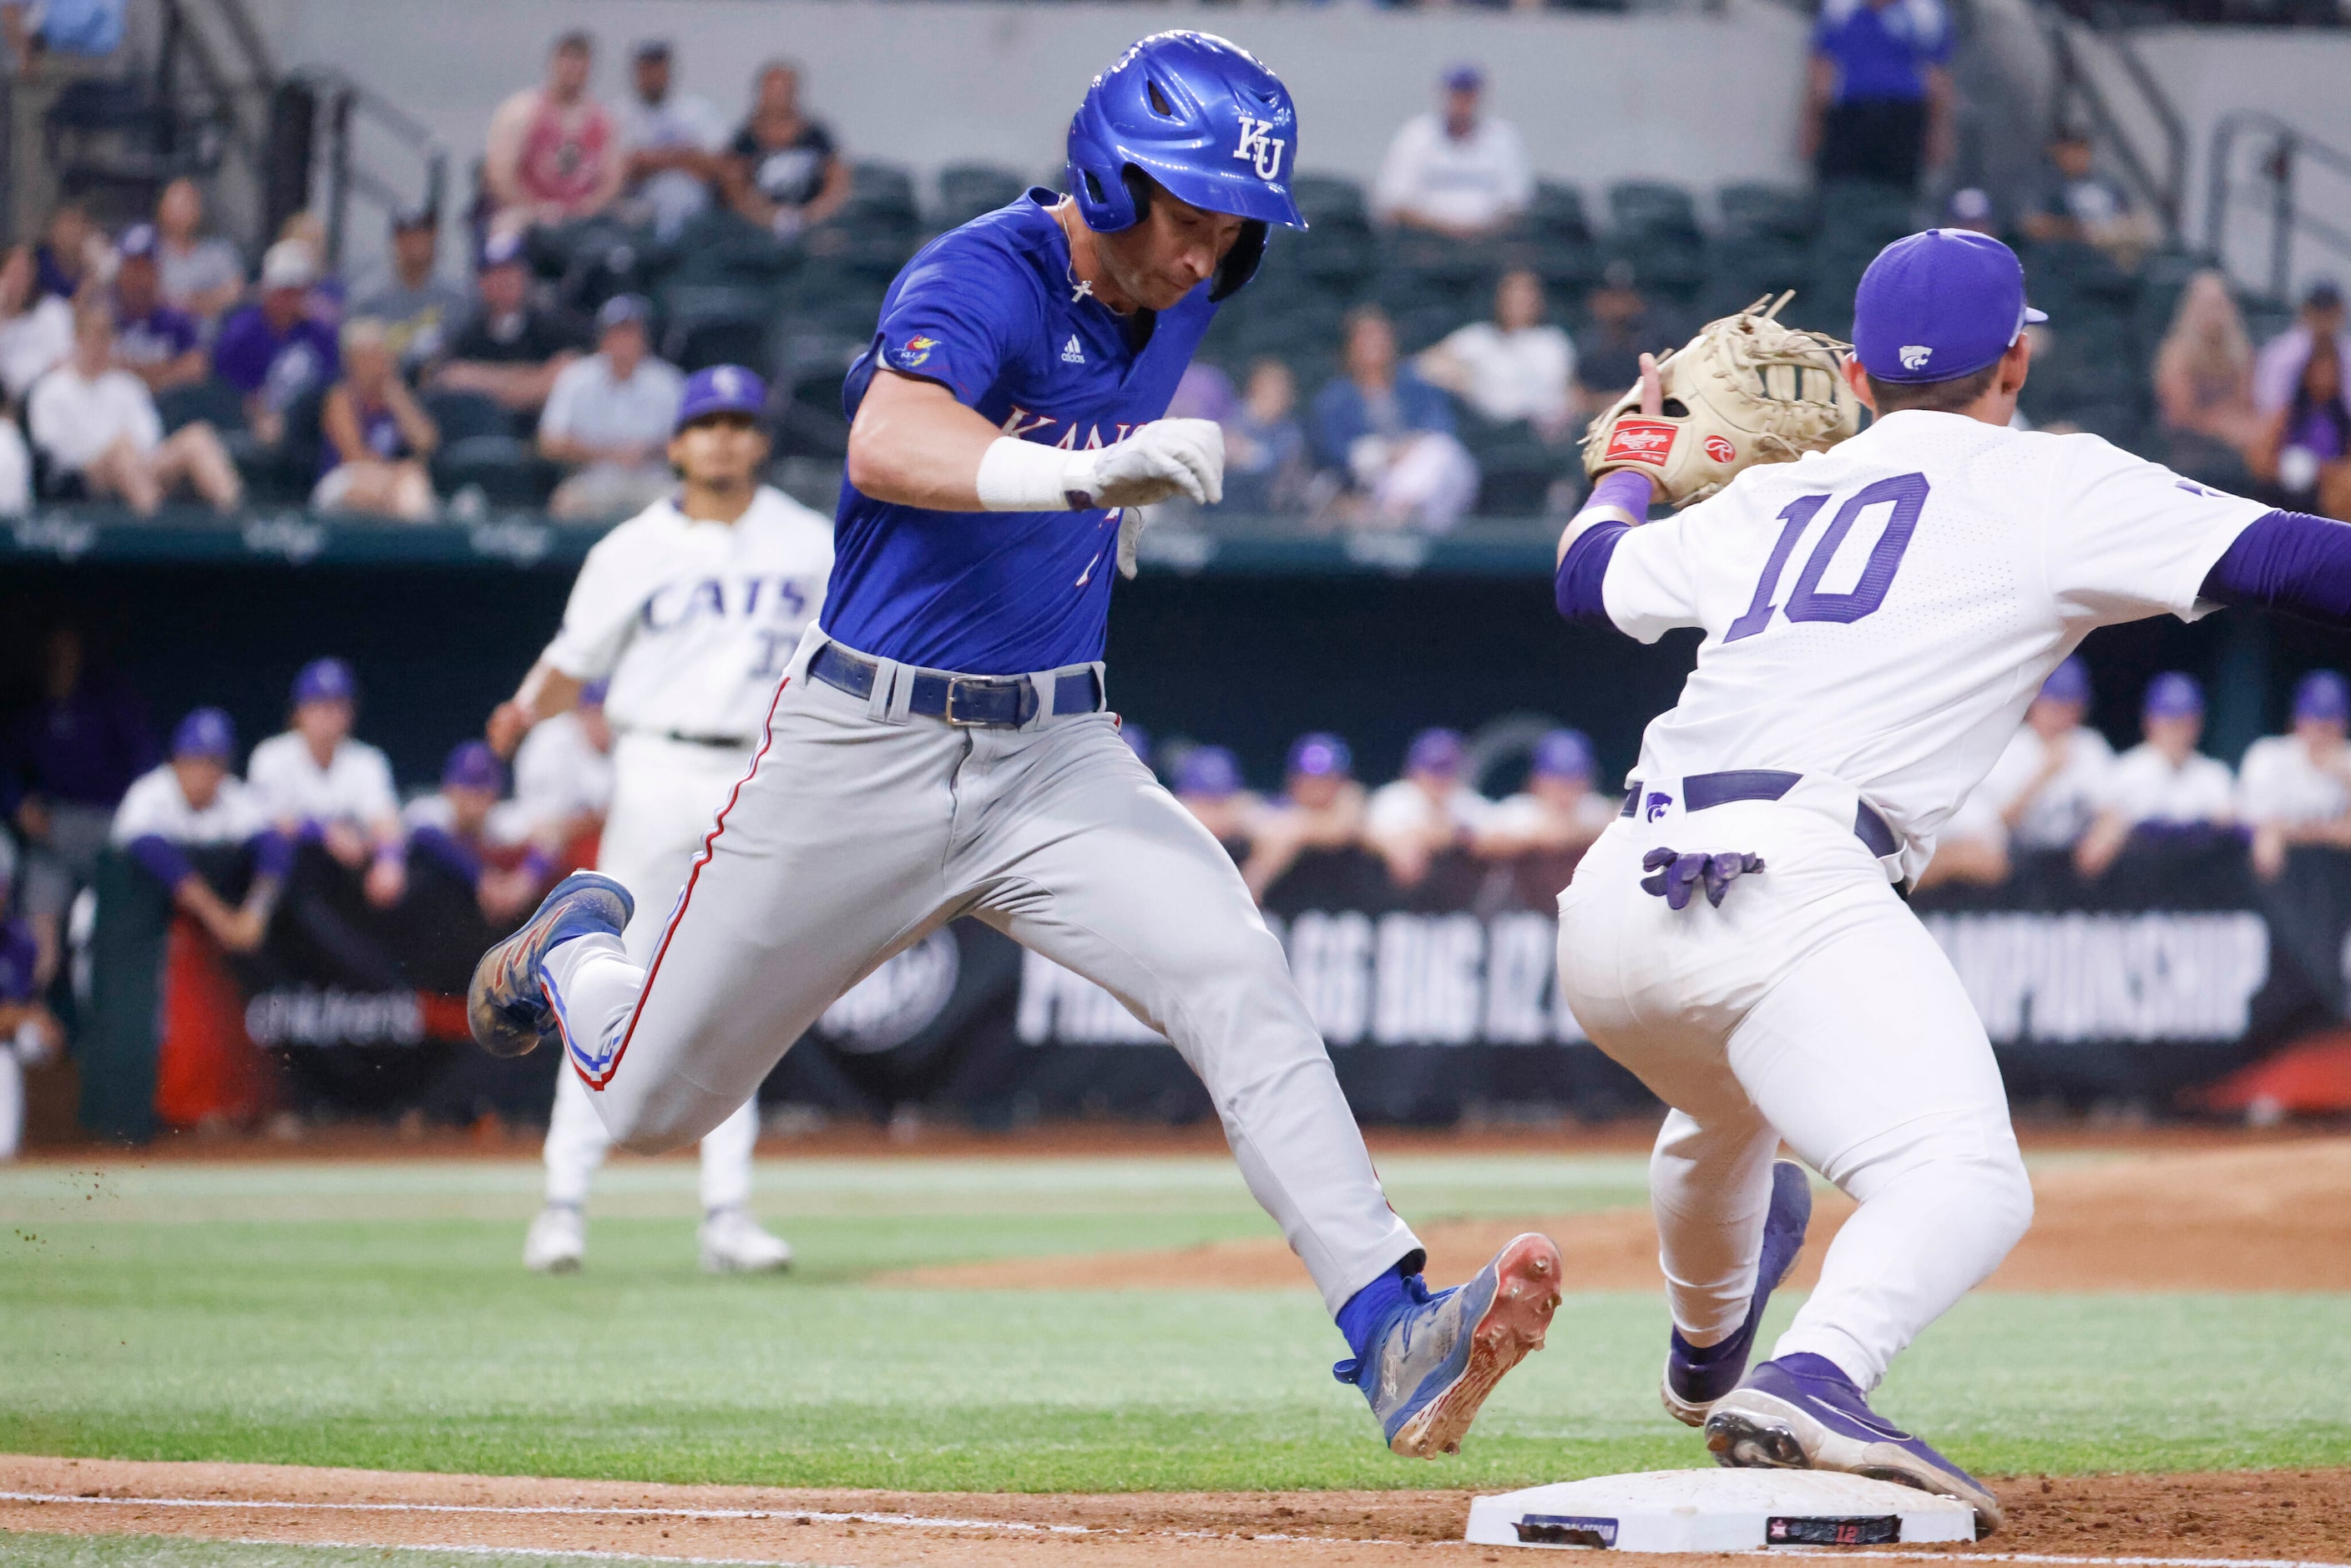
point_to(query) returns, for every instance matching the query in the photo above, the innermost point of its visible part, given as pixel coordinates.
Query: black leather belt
(980, 702)
(715, 742)
(1700, 791)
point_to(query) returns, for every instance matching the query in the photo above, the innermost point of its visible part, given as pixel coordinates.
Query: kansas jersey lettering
(989, 312)
(694, 622)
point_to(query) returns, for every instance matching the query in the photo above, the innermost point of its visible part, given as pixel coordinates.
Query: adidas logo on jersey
(1072, 354)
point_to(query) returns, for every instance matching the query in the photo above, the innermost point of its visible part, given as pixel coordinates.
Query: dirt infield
(2276, 1516)
(2269, 1217)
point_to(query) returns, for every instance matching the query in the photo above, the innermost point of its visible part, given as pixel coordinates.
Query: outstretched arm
(2291, 562)
(1618, 503)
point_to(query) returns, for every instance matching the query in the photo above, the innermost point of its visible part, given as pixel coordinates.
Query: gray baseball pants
(860, 829)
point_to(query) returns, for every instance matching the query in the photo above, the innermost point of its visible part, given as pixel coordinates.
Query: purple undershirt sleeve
(1576, 587)
(273, 853)
(458, 857)
(161, 859)
(2288, 561)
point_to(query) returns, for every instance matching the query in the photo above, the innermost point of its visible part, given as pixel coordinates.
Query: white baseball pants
(664, 795)
(1811, 1008)
(861, 829)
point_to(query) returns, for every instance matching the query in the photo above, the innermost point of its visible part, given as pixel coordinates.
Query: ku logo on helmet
(1260, 148)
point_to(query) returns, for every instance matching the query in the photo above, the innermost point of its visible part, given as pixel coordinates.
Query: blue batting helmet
(1202, 118)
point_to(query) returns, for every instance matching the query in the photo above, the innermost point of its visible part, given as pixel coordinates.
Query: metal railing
(341, 107)
(2157, 176)
(2282, 153)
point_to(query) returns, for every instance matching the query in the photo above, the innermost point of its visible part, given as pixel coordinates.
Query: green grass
(377, 1316)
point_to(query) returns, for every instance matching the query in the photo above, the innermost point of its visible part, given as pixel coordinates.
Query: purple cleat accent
(1801, 1413)
(1696, 1378)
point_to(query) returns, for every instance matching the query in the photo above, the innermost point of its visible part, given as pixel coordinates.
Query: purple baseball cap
(138, 240)
(1322, 755)
(1938, 306)
(206, 732)
(1563, 754)
(326, 681)
(1209, 770)
(721, 389)
(2068, 683)
(623, 308)
(1437, 751)
(2172, 695)
(472, 765)
(2323, 695)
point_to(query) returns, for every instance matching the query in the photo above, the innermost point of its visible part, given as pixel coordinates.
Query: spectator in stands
(1460, 172)
(2204, 382)
(1558, 811)
(64, 762)
(1878, 95)
(29, 1032)
(73, 250)
(674, 139)
(91, 419)
(1624, 324)
(377, 437)
(36, 329)
(1322, 808)
(2304, 456)
(196, 800)
(2163, 783)
(1266, 467)
(275, 352)
(783, 171)
(420, 312)
(2081, 206)
(1432, 809)
(1389, 435)
(202, 277)
(1516, 367)
(1208, 783)
(511, 350)
(609, 420)
(463, 829)
(1970, 847)
(2052, 779)
(308, 229)
(2277, 370)
(554, 153)
(563, 775)
(159, 344)
(2296, 788)
(315, 781)
(88, 29)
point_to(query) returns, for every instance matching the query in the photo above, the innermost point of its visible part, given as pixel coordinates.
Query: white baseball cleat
(558, 1241)
(734, 1243)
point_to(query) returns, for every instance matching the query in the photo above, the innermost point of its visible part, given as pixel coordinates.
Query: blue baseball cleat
(506, 1003)
(1799, 1413)
(1433, 1363)
(1695, 1379)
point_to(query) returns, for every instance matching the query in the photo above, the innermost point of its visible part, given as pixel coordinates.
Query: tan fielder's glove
(1745, 391)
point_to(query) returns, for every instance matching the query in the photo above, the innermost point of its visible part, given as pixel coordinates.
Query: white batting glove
(1131, 524)
(1164, 458)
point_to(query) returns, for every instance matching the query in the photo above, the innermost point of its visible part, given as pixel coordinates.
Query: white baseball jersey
(694, 622)
(1884, 613)
(2063, 807)
(2280, 782)
(1403, 807)
(355, 786)
(156, 805)
(2148, 787)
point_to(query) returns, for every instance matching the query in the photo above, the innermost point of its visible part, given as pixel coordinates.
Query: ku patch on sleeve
(911, 354)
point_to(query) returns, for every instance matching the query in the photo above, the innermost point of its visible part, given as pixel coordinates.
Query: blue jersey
(988, 311)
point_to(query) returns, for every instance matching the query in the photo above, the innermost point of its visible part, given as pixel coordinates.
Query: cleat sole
(1526, 1294)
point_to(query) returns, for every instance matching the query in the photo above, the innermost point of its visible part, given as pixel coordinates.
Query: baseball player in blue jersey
(941, 744)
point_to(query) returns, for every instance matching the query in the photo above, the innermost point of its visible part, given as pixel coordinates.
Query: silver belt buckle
(955, 684)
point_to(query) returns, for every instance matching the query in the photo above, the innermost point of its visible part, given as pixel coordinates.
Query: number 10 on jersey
(1906, 492)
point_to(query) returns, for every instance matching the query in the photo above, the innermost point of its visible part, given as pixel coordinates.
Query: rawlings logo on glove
(1745, 391)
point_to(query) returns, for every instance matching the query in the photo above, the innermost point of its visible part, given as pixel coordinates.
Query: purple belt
(1701, 790)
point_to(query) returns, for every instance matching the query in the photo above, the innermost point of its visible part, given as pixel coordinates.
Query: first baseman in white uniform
(690, 611)
(1876, 619)
(942, 746)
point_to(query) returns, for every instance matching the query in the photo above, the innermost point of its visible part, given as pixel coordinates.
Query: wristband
(1622, 495)
(1023, 477)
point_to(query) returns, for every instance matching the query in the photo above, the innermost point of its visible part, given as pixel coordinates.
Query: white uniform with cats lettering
(693, 623)
(1877, 620)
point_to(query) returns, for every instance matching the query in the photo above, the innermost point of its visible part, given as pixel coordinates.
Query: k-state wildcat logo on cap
(1916, 355)
(1648, 441)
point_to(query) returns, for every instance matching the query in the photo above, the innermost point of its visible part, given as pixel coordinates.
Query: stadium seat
(1756, 211)
(717, 318)
(1654, 225)
(1558, 244)
(504, 468)
(877, 229)
(213, 401)
(1337, 250)
(967, 190)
